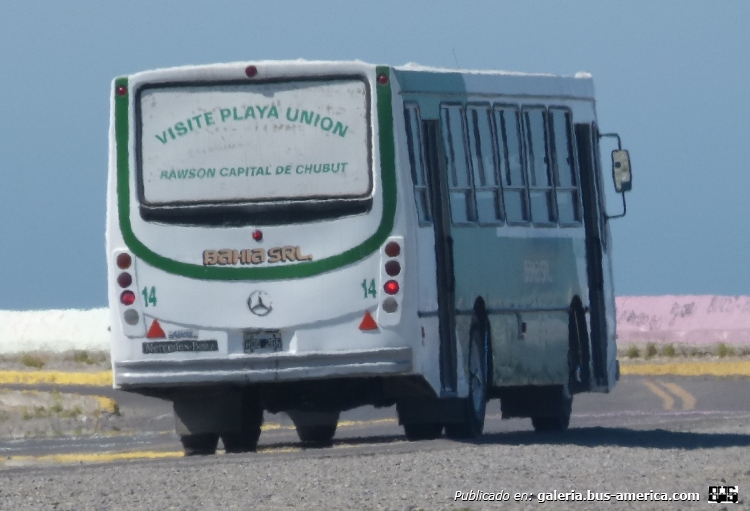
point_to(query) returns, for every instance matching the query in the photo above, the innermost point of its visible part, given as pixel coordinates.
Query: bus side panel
(521, 273)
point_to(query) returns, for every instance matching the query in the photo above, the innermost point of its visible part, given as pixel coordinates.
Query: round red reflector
(392, 268)
(124, 261)
(122, 90)
(127, 297)
(392, 249)
(391, 287)
(251, 71)
(124, 279)
(383, 79)
(257, 235)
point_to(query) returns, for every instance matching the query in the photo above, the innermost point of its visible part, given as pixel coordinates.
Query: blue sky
(671, 78)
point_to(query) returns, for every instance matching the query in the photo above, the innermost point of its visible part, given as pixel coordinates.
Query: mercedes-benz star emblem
(260, 303)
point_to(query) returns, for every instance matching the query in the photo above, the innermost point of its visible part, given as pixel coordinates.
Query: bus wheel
(475, 404)
(544, 424)
(202, 444)
(563, 404)
(578, 350)
(422, 431)
(245, 440)
(315, 428)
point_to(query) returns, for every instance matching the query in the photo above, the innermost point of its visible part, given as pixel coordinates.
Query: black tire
(475, 404)
(578, 351)
(203, 444)
(563, 405)
(545, 424)
(317, 435)
(245, 440)
(422, 431)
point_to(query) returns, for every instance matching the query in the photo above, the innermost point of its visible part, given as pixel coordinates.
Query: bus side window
(486, 182)
(510, 149)
(566, 184)
(540, 175)
(453, 128)
(416, 162)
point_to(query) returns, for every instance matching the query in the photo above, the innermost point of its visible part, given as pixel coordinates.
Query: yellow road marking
(98, 379)
(667, 400)
(348, 424)
(272, 426)
(719, 368)
(688, 400)
(94, 457)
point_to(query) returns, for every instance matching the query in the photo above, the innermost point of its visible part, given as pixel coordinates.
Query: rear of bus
(252, 234)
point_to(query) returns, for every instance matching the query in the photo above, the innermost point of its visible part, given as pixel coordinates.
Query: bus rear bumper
(245, 369)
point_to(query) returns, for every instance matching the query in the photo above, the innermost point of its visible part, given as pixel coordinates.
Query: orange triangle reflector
(156, 332)
(368, 323)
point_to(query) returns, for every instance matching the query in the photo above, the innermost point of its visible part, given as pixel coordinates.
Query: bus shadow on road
(620, 437)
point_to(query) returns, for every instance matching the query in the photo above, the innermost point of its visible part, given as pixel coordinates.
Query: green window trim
(299, 270)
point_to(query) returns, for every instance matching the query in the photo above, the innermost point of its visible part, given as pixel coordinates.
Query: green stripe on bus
(299, 270)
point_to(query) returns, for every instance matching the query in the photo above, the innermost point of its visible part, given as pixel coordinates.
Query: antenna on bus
(456, 58)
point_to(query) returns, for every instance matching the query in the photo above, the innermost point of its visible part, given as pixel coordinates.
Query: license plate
(267, 341)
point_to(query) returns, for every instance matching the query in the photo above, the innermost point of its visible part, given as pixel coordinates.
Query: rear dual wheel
(422, 431)
(202, 444)
(243, 440)
(314, 428)
(246, 439)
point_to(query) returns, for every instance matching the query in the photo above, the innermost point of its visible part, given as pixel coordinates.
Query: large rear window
(253, 142)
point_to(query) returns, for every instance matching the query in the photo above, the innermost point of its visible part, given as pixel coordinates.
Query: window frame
(552, 202)
(422, 190)
(497, 187)
(578, 205)
(524, 188)
(469, 190)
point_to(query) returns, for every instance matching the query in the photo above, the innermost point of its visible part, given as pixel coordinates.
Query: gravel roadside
(407, 476)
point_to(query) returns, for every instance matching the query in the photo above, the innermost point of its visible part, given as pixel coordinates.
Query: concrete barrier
(687, 319)
(54, 330)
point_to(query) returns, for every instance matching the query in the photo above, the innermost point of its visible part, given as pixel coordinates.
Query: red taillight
(383, 79)
(392, 268)
(124, 279)
(122, 90)
(391, 287)
(257, 235)
(392, 249)
(124, 261)
(251, 71)
(127, 297)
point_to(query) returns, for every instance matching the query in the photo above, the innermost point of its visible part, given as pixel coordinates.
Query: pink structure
(688, 319)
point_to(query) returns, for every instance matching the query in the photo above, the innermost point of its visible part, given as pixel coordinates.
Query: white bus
(311, 237)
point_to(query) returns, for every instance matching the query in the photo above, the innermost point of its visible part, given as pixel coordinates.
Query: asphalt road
(637, 404)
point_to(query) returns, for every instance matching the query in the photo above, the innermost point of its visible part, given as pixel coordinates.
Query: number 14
(149, 297)
(369, 290)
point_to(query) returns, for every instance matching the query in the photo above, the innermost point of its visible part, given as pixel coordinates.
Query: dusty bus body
(314, 236)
